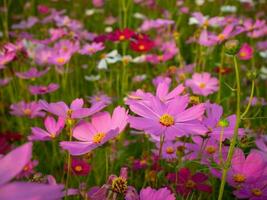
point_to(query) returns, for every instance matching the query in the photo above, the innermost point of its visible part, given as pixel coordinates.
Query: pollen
(166, 120)
(60, 60)
(170, 150)
(78, 168)
(190, 184)
(256, 192)
(221, 37)
(121, 37)
(239, 178)
(52, 135)
(202, 85)
(119, 185)
(27, 111)
(141, 47)
(210, 149)
(98, 138)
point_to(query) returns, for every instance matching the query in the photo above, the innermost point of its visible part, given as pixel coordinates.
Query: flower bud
(232, 47)
(252, 75)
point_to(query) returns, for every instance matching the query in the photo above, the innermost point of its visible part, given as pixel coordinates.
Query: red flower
(223, 70)
(80, 167)
(142, 45)
(121, 35)
(186, 182)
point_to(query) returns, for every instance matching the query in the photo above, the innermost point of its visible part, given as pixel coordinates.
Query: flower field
(133, 99)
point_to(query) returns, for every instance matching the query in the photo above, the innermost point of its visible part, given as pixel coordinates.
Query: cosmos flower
(155, 24)
(28, 169)
(141, 43)
(201, 20)
(163, 91)
(90, 49)
(202, 84)
(219, 127)
(121, 35)
(10, 166)
(39, 89)
(246, 169)
(245, 52)
(80, 167)
(96, 133)
(31, 109)
(225, 34)
(153, 194)
(168, 150)
(111, 57)
(53, 129)
(170, 119)
(101, 97)
(186, 182)
(32, 73)
(75, 111)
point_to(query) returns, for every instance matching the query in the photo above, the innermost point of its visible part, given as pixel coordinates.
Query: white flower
(230, 9)
(263, 54)
(92, 78)
(263, 73)
(109, 58)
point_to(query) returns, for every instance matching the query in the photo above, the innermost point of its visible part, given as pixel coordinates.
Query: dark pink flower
(245, 52)
(31, 110)
(80, 167)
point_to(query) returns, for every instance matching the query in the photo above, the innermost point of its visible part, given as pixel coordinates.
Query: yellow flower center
(166, 120)
(26, 168)
(122, 37)
(52, 135)
(169, 150)
(190, 184)
(160, 57)
(119, 185)
(98, 137)
(243, 54)
(210, 149)
(239, 178)
(256, 192)
(90, 49)
(27, 111)
(141, 47)
(202, 85)
(60, 60)
(78, 168)
(221, 37)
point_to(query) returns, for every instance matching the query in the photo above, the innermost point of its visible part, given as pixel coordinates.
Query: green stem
(250, 100)
(69, 164)
(234, 139)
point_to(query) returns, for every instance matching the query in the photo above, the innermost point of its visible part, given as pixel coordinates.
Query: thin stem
(234, 139)
(69, 164)
(250, 100)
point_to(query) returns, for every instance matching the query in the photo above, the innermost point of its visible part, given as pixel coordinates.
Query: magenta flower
(254, 191)
(171, 119)
(38, 89)
(31, 110)
(10, 166)
(186, 182)
(80, 167)
(245, 52)
(169, 150)
(202, 84)
(219, 127)
(6, 58)
(32, 73)
(53, 129)
(205, 21)
(246, 169)
(75, 111)
(90, 49)
(96, 133)
(153, 194)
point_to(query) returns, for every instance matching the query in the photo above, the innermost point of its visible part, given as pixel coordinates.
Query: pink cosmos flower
(163, 91)
(98, 3)
(43, 9)
(153, 194)
(32, 73)
(90, 49)
(219, 127)
(53, 129)
(75, 111)
(155, 24)
(31, 109)
(39, 89)
(168, 150)
(10, 166)
(96, 133)
(170, 119)
(205, 21)
(100, 98)
(254, 191)
(225, 34)
(156, 81)
(187, 182)
(246, 169)
(44, 55)
(80, 167)
(202, 84)
(245, 52)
